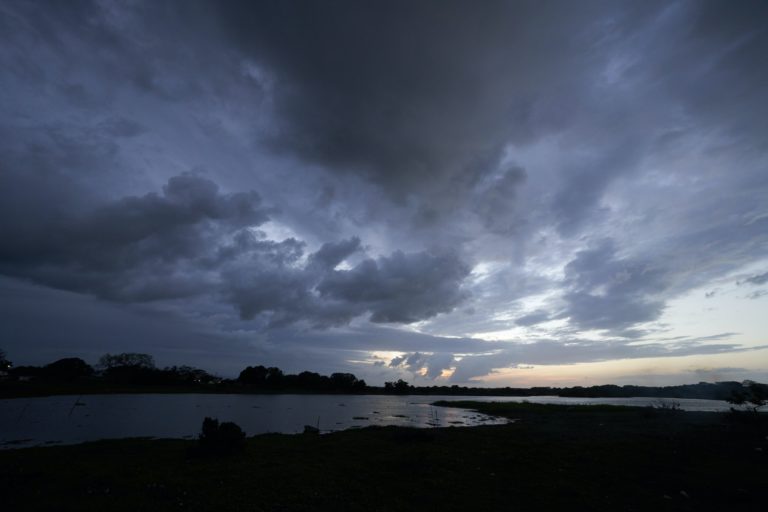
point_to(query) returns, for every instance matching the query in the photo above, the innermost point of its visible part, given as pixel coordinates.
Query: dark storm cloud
(136, 248)
(423, 97)
(331, 254)
(412, 94)
(402, 287)
(192, 240)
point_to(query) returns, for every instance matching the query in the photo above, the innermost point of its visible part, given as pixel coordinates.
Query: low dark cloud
(194, 240)
(608, 292)
(432, 365)
(331, 254)
(402, 287)
(758, 279)
(718, 374)
(136, 248)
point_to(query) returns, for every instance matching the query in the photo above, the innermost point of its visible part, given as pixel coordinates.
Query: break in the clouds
(440, 190)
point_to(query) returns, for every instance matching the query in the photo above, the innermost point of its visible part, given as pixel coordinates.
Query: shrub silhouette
(226, 438)
(753, 395)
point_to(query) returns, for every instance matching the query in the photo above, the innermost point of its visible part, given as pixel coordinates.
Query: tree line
(135, 369)
(125, 368)
(128, 370)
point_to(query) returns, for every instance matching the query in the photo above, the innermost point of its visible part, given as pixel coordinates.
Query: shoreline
(552, 457)
(4, 395)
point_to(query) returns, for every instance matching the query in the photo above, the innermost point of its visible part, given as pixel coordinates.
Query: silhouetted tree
(400, 387)
(69, 368)
(753, 395)
(274, 377)
(346, 382)
(312, 380)
(130, 368)
(5, 364)
(255, 376)
(187, 375)
(127, 359)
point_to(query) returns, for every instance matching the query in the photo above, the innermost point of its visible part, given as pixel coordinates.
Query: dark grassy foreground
(553, 457)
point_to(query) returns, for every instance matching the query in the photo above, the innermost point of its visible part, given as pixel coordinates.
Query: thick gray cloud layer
(610, 293)
(401, 288)
(302, 170)
(378, 88)
(136, 248)
(193, 240)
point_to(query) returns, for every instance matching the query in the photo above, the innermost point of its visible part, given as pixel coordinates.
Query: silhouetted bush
(5, 364)
(220, 438)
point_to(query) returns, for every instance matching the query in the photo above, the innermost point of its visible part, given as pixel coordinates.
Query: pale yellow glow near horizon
(723, 307)
(728, 310)
(646, 371)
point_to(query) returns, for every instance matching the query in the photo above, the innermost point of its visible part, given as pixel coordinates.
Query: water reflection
(71, 419)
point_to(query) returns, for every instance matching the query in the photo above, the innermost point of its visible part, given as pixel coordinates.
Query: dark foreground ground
(551, 458)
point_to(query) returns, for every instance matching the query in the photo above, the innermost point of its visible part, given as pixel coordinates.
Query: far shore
(11, 390)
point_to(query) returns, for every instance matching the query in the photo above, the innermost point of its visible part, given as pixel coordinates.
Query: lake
(71, 419)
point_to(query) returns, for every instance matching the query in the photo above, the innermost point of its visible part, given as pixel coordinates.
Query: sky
(485, 193)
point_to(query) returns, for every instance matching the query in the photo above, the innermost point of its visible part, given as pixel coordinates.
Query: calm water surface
(72, 419)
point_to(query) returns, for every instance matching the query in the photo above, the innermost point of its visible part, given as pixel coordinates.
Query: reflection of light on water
(46, 420)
